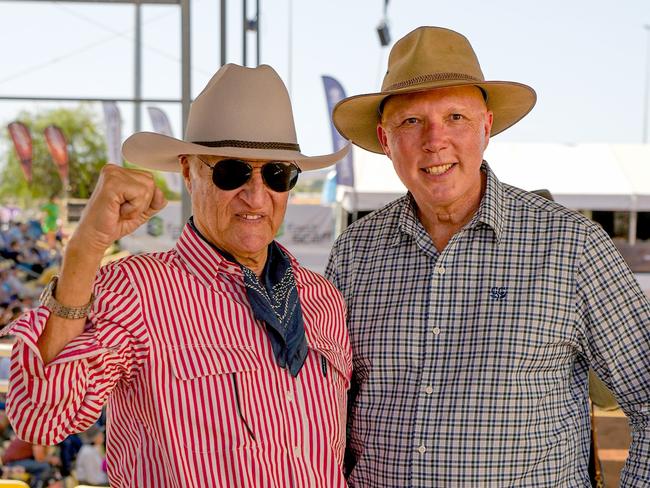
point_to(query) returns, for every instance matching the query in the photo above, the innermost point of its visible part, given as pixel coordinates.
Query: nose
(254, 192)
(434, 137)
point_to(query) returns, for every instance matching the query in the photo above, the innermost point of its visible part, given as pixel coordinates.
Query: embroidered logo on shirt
(498, 293)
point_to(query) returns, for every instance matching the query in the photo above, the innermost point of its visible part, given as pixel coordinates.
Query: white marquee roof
(580, 176)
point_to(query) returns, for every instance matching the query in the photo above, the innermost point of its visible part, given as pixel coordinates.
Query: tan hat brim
(356, 117)
(157, 151)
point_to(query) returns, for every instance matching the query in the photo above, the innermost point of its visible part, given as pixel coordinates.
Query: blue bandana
(274, 300)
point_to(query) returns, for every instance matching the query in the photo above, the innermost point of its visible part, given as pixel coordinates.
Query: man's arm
(122, 201)
(616, 315)
(64, 370)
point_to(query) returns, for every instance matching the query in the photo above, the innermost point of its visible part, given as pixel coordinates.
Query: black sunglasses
(230, 174)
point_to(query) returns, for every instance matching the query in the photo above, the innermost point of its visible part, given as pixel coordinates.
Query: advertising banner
(161, 125)
(23, 144)
(113, 123)
(334, 93)
(58, 148)
(159, 121)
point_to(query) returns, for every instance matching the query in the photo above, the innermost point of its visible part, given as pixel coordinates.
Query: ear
(186, 171)
(383, 139)
(487, 128)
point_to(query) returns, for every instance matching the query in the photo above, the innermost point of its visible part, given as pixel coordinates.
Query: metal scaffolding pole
(137, 69)
(257, 31)
(186, 89)
(223, 32)
(244, 32)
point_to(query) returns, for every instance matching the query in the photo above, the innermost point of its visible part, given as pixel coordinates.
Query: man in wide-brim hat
(475, 308)
(223, 362)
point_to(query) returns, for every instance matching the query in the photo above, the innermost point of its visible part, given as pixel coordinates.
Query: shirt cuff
(29, 327)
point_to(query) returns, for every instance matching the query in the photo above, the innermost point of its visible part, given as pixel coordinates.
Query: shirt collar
(201, 258)
(491, 211)
(204, 260)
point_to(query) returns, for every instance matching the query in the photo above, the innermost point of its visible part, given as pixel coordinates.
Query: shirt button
(422, 449)
(428, 390)
(440, 270)
(296, 451)
(289, 396)
(436, 330)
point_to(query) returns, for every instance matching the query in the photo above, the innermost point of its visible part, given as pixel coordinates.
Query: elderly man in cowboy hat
(223, 362)
(475, 308)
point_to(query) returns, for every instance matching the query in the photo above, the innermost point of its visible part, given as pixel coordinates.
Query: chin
(254, 245)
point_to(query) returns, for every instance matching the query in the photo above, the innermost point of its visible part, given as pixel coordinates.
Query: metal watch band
(60, 310)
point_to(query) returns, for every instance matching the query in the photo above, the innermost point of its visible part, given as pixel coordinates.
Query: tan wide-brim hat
(241, 113)
(425, 59)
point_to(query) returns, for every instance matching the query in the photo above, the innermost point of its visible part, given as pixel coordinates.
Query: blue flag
(344, 168)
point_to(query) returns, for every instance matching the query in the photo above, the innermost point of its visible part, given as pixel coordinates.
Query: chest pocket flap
(337, 359)
(196, 360)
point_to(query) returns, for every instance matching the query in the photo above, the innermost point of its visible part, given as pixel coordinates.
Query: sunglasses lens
(280, 177)
(229, 174)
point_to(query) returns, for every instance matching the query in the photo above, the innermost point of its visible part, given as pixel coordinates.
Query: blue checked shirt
(471, 364)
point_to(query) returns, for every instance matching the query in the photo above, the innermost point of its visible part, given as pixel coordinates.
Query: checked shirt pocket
(213, 385)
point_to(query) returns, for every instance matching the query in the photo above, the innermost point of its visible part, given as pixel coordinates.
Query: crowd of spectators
(29, 256)
(27, 259)
(79, 459)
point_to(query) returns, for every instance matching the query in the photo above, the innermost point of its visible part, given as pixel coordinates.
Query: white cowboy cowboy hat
(425, 59)
(241, 113)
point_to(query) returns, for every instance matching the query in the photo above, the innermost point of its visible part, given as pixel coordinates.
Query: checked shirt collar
(491, 213)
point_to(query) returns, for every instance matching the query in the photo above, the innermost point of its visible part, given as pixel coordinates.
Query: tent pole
(631, 231)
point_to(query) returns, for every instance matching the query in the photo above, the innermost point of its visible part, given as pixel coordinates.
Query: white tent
(375, 183)
(580, 176)
(635, 162)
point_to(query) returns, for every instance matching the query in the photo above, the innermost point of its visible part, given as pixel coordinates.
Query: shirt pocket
(337, 372)
(213, 388)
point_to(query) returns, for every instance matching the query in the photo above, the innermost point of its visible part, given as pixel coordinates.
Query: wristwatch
(48, 301)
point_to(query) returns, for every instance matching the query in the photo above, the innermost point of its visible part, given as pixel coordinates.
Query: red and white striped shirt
(194, 395)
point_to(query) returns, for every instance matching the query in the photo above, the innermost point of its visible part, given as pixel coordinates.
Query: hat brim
(356, 117)
(157, 151)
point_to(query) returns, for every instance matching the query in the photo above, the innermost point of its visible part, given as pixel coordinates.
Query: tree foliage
(87, 155)
(86, 150)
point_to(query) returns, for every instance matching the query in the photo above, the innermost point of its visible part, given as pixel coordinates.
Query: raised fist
(123, 200)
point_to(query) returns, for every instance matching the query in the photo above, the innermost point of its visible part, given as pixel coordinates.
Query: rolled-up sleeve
(617, 339)
(46, 403)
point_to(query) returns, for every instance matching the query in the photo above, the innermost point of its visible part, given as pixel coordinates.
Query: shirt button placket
(429, 369)
(438, 272)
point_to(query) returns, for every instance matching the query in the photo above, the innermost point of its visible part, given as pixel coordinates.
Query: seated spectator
(34, 229)
(14, 233)
(91, 459)
(31, 259)
(12, 252)
(68, 450)
(6, 432)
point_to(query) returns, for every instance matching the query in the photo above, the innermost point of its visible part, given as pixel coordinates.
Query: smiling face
(436, 140)
(243, 221)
